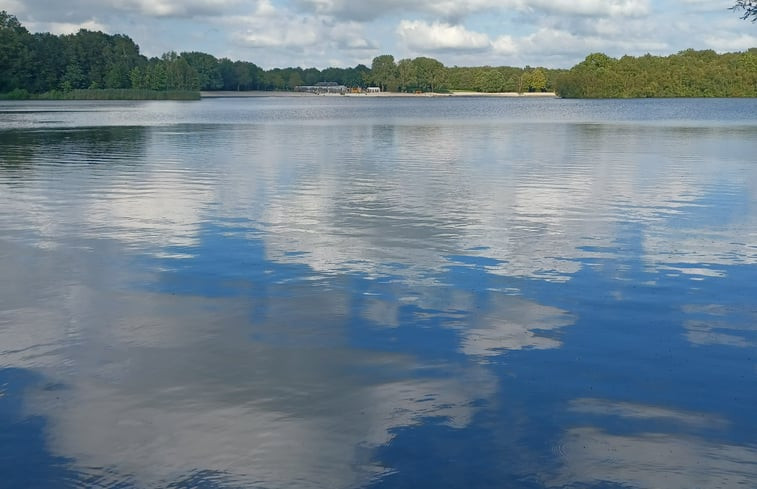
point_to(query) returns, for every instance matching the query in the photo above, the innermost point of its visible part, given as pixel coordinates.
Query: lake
(346, 292)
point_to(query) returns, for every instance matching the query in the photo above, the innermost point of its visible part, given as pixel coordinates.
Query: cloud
(570, 38)
(275, 412)
(505, 45)
(66, 27)
(594, 8)
(567, 43)
(346, 9)
(321, 33)
(279, 31)
(636, 411)
(713, 324)
(438, 36)
(513, 323)
(650, 459)
(730, 42)
(73, 10)
(173, 8)
(455, 11)
(367, 11)
(350, 35)
(272, 31)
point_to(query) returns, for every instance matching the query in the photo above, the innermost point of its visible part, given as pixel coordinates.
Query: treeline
(42, 63)
(688, 73)
(428, 74)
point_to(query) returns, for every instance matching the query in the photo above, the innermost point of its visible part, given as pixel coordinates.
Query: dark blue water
(379, 293)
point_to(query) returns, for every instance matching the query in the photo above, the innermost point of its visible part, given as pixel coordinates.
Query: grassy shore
(104, 94)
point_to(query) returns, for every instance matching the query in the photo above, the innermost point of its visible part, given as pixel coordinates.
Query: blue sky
(322, 33)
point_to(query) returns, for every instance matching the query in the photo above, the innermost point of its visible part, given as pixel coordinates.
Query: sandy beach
(255, 93)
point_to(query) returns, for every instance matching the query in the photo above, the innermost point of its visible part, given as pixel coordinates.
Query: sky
(343, 33)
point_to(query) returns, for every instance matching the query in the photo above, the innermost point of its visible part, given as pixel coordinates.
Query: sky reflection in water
(299, 293)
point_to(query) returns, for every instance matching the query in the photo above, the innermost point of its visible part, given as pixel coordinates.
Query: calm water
(379, 293)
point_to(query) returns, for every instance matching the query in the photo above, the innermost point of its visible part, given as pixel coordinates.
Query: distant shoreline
(258, 93)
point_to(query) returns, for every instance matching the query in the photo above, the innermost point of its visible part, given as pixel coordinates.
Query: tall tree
(429, 73)
(179, 74)
(206, 66)
(384, 72)
(14, 53)
(404, 73)
(535, 80)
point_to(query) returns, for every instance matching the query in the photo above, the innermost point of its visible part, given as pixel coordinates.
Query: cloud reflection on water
(154, 387)
(561, 201)
(178, 352)
(652, 459)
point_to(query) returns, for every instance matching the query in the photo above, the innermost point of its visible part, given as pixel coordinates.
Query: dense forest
(43, 64)
(428, 74)
(689, 73)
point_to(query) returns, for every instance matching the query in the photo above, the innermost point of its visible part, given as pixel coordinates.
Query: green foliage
(207, 69)
(429, 73)
(127, 94)
(14, 53)
(534, 81)
(488, 79)
(103, 94)
(15, 94)
(405, 74)
(384, 72)
(689, 73)
(80, 64)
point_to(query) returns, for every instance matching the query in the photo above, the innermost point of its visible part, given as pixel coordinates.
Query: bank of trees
(688, 73)
(37, 63)
(430, 75)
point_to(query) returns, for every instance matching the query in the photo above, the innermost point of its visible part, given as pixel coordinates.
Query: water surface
(344, 292)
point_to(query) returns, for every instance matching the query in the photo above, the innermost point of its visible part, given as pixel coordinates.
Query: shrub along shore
(103, 94)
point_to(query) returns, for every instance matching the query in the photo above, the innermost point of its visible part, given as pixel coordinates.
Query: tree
(294, 80)
(405, 73)
(748, 9)
(206, 66)
(14, 53)
(535, 81)
(384, 71)
(429, 73)
(73, 77)
(355, 77)
(179, 74)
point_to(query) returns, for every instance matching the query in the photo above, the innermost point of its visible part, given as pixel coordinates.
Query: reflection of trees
(26, 149)
(16, 156)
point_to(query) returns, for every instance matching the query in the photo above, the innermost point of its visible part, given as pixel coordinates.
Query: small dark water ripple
(378, 293)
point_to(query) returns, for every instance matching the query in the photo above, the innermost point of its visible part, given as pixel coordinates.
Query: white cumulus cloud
(598, 8)
(730, 42)
(422, 36)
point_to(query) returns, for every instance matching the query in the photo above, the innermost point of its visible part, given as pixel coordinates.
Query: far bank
(456, 93)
